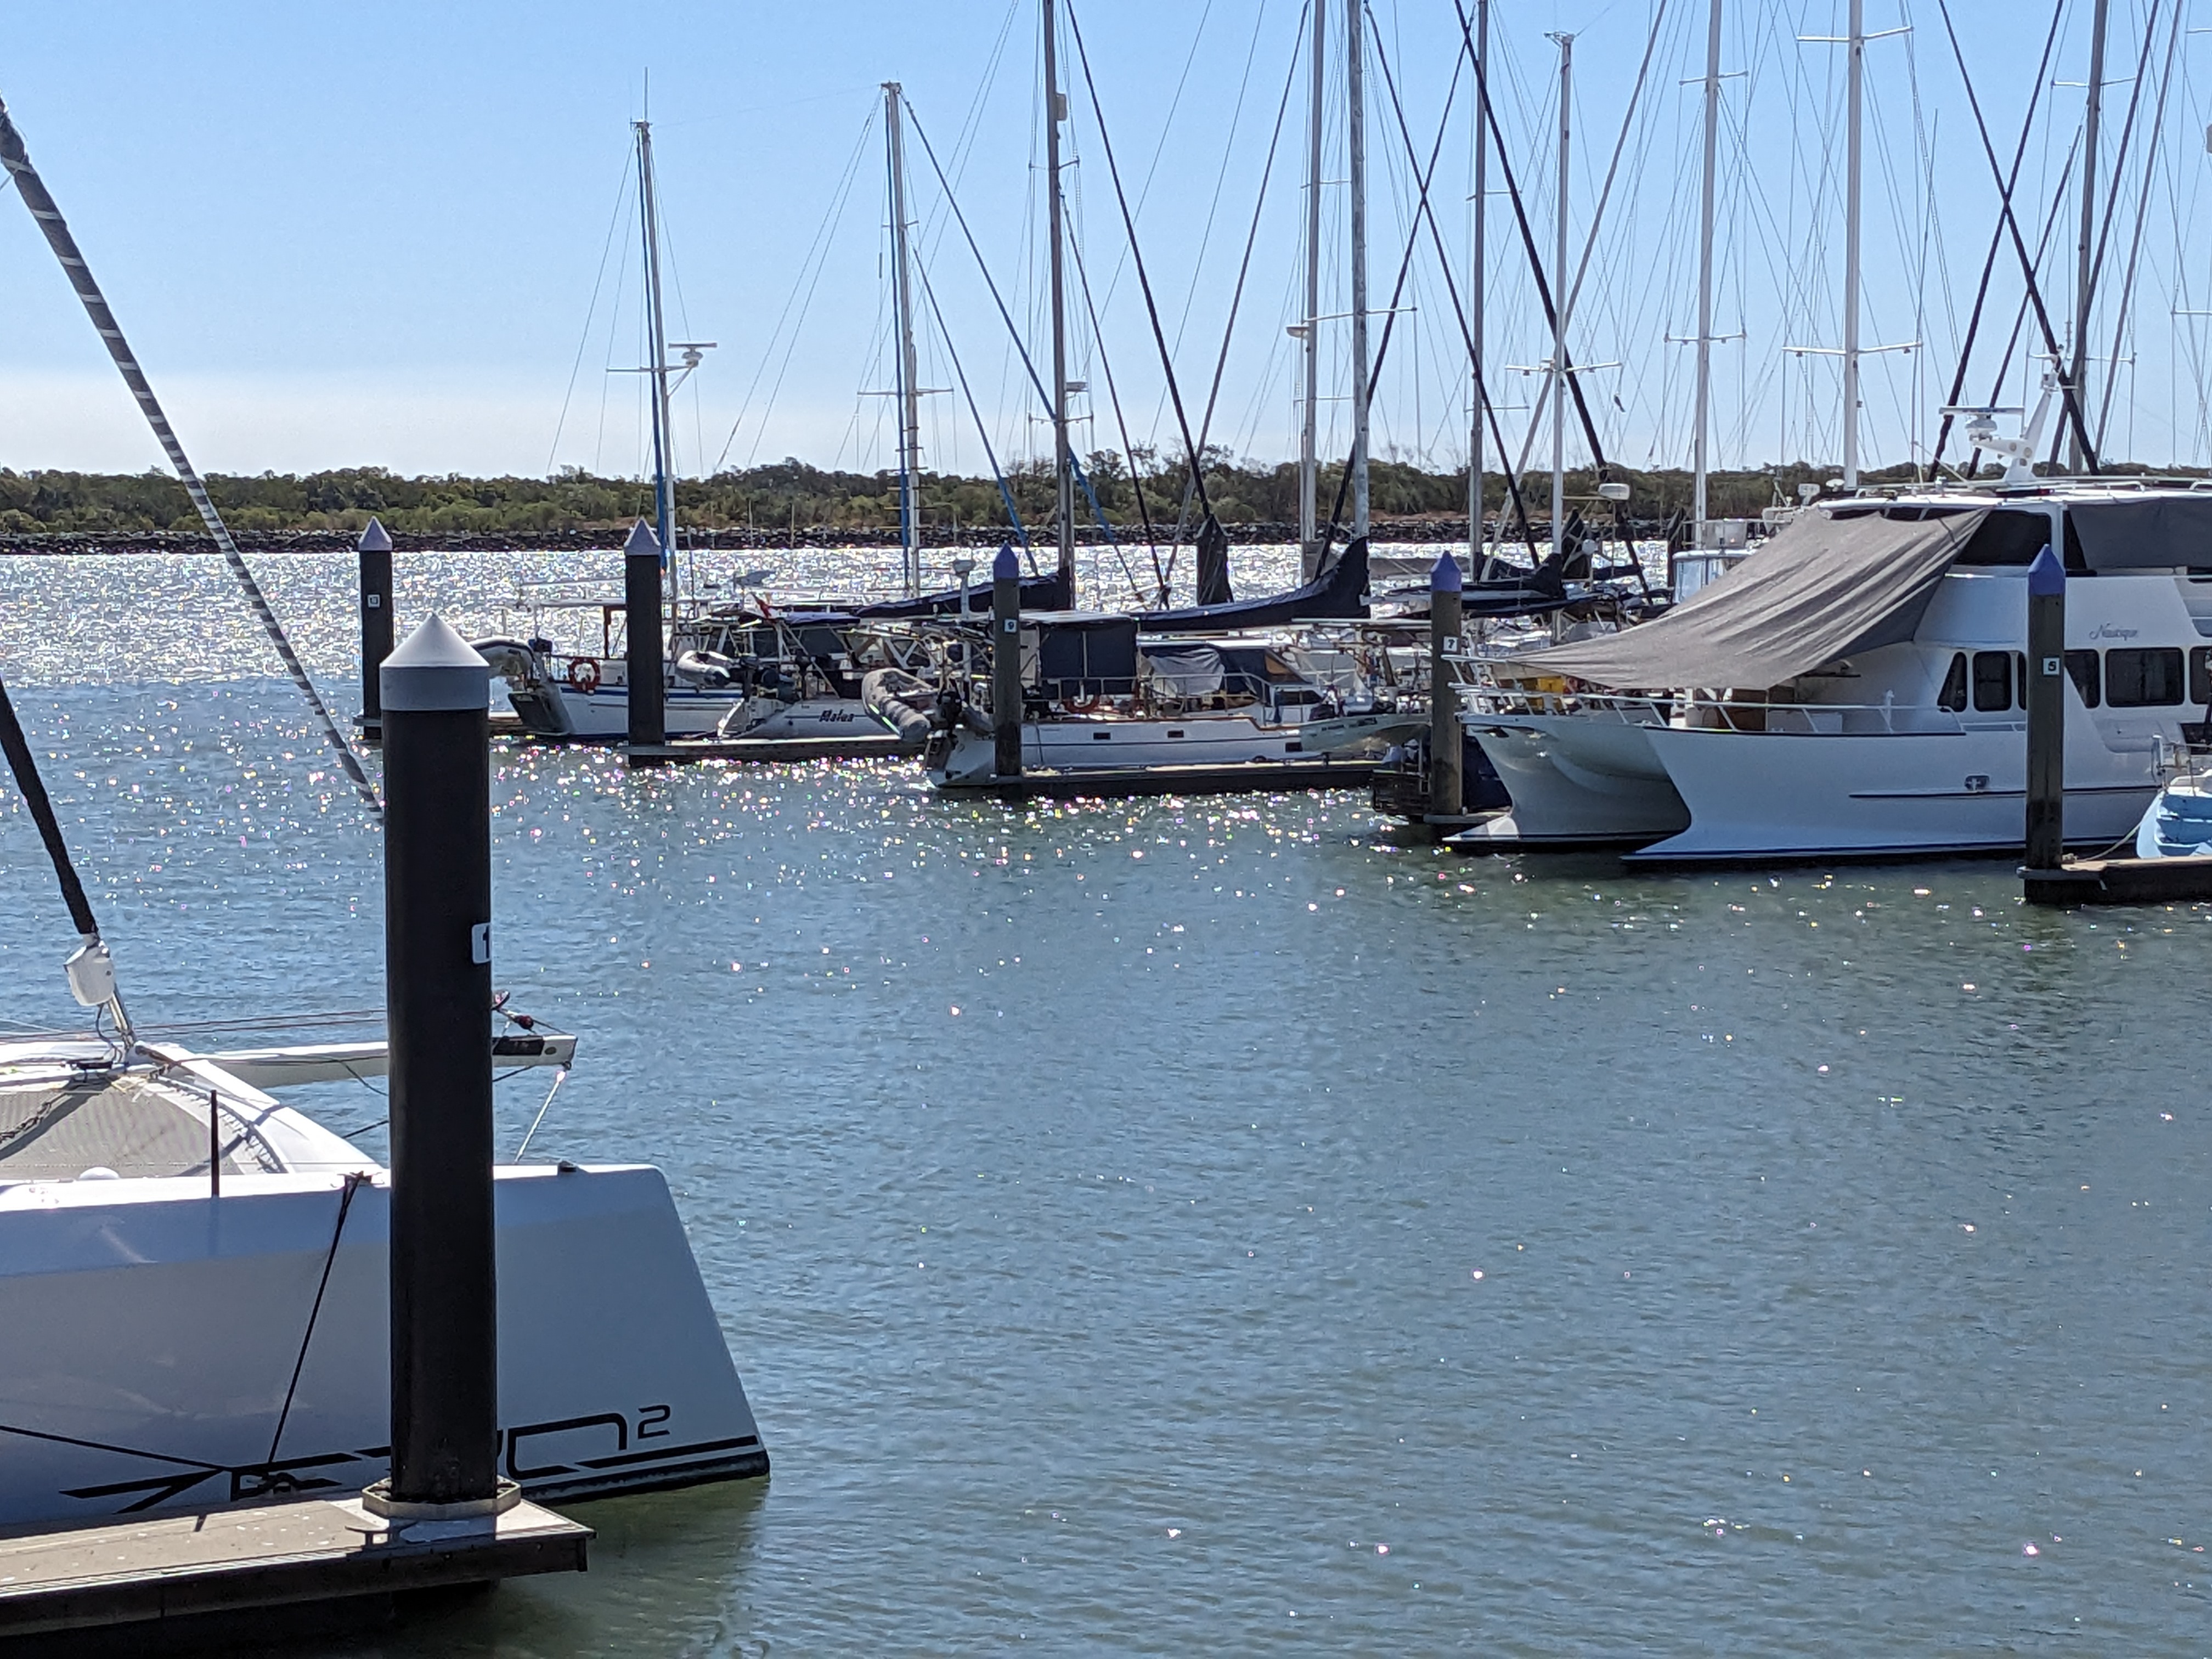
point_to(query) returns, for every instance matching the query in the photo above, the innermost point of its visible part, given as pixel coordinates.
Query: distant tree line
(791, 493)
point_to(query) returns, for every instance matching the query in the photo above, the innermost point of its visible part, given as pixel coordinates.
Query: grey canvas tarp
(2143, 532)
(1821, 588)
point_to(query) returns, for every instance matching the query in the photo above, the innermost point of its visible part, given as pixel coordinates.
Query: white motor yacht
(1856, 687)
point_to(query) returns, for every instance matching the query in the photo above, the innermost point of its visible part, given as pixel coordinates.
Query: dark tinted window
(2076, 564)
(2006, 539)
(1992, 681)
(2143, 679)
(2200, 674)
(1954, 685)
(2082, 665)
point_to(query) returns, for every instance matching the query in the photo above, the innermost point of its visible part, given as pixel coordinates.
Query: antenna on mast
(2019, 452)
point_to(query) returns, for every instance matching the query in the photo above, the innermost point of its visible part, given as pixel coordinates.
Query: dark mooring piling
(1445, 646)
(1006, 663)
(321, 1564)
(2046, 713)
(641, 579)
(437, 911)
(374, 549)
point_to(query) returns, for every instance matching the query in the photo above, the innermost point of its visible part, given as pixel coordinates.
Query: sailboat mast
(1309, 427)
(664, 482)
(910, 385)
(1705, 206)
(2084, 275)
(1055, 112)
(1479, 259)
(1356, 120)
(1855, 99)
(1558, 377)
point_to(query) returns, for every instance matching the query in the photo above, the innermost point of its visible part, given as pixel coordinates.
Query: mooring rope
(354, 1183)
(33, 189)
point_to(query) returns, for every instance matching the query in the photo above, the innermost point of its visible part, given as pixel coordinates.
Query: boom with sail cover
(17, 161)
(1045, 592)
(1340, 591)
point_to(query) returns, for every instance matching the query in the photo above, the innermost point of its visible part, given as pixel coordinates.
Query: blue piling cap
(1006, 567)
(373, 538)
(434, 668)
(642, 543)
(1446, 577)
(2046, 577)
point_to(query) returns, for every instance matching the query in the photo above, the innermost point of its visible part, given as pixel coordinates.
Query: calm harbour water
(1175, 1226)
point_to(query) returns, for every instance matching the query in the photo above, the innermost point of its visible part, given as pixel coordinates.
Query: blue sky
(371, 234)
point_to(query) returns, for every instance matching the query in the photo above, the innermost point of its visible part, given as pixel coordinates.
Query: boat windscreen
(1825, 585)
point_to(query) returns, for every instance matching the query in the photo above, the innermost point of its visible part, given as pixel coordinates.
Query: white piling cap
(642, 543)
(373, 538)
(435, 671)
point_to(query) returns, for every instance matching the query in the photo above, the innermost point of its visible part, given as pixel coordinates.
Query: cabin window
(2082, 666)
(2200, 674)
(1954, 685)
(1992, 681)
(2143, 679)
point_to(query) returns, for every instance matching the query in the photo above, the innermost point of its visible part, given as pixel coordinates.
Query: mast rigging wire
(1252, 235)
(1006, 317)
(1528, 235)
(2112, 196)
(33, 189)
(1423, 209)
(2142, 211)
(2073, 404)
(1121, 422)
(1137, 257)
(33, 788)
(614, 223)
(817, 254)
(2020, 314)
(1996, 240)
(1391, 313)
(1006, 495)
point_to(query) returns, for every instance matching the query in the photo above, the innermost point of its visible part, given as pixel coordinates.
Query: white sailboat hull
(771, 718)
(603, 711)
(1115, 744)
(157, 1331)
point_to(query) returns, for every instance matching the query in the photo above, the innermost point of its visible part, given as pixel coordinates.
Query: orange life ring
(584, 674)
(1081, 703)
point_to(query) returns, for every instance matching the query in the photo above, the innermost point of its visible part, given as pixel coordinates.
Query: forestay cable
(33, 189)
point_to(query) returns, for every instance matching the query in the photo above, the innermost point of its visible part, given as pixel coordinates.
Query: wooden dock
(132, 1585)
(861, 746)
(2120, 881)
(1246, 777)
